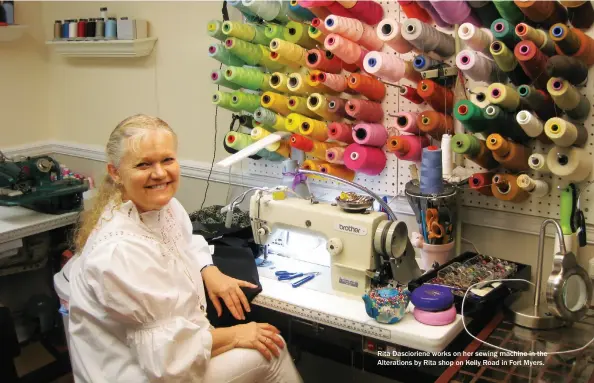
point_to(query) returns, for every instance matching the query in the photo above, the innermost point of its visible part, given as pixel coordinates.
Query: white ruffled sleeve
(134, 283)
(197, 246)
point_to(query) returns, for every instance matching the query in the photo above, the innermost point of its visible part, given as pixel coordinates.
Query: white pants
(242, 365)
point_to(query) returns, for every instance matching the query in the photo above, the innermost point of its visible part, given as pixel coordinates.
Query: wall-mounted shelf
(12, 32)
(104, 48)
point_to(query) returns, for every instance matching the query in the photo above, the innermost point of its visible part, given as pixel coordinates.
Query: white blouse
(137, 305)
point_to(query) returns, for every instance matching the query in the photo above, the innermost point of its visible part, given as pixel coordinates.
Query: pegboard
(393, 179)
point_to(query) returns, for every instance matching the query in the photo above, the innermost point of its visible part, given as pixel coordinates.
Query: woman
(137, 306)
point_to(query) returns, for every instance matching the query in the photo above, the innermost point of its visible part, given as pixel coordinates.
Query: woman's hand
(259, 336)
(228, 289)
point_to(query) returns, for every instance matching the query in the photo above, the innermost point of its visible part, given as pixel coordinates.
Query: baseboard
(499, 220)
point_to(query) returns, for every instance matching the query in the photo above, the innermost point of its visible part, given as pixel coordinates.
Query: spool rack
(393, 179)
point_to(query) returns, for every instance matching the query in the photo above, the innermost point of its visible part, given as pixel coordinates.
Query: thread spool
(564, 133)
(478, 39)
(478, 96)
(530, 123)
(355, 31)
(369, 12)
(426, 5)
(337, 171)
(537, 188)
(315, 83)
(365, 159)
(407, 147)
(346, 50)
(504, 96)
(365, 110)
(259, 133)
(245, 101)
(389, 67)
(431, 180)
(341, 131)
(318, 104)
(218, 52)
(368, 86)
(289, 51)
(314, 129)
(274, 31)
(474, 150)
(422, 63)
(538, 162)
(412, 10)
(571, 69)
(217, 77)
(533, 61)
(293, 122)
(485, 10)
(539, 37)
(275, 102)
(471, 116)
(370, 134)
(248, 52)
(214, 30)
(503, 31)
(316, 34)
(545, 13)
(318, 23)
(427, 39)
(586, 51)
(300, 12)
(337, 106)
(272, 61)
(299, 105)
(238, 141)
(434, 123)
(312, 165)
(270, 119)
(318, 11)
(478, 68)
(505, 188)
(440, 98)
(509, 154)
(506, 61)
(266, 9)
(568, 98)
(298, 85)
(388, 31)
(504, 123)
(336, 82)
(248, 78)
(581, 13)
(223, 99)
(323, 61)
(571, 164)
(278, 82)
(455, 12)
(313, 148)
(509, 11)
(406, 122)
(447, 162)
(566, 39)
(297, 33)
(410, 94)
(537, 100)
(481, 183)
(335, 155)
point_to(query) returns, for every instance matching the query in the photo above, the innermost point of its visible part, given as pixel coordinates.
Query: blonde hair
(126, 136)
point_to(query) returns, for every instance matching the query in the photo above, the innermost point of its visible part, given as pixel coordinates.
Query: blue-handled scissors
(286, 275)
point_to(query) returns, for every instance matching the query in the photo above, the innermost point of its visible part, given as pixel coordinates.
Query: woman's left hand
(228, 289)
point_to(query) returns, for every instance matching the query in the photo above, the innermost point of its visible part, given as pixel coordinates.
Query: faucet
(540, 259)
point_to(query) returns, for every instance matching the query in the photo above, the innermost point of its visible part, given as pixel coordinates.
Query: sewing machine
(37, 183)
(362, 248)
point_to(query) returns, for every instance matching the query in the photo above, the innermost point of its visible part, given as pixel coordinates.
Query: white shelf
(104, 48)
(12, 32)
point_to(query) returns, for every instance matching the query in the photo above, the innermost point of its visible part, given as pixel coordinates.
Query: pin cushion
(432, 297)
(387, 304)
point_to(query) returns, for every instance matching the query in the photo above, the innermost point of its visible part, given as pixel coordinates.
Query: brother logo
(348, 282)
(351, 229)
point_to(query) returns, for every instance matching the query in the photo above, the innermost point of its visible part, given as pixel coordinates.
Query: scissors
(286, 275)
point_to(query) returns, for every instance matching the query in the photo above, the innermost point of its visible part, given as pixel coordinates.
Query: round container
(432, 298)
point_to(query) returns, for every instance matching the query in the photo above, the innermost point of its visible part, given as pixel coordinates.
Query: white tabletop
(349, 314)
(19, 222)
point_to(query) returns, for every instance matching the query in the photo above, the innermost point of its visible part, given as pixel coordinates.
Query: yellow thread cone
(314, 129)
(275, 102)
(299, 105)
(338, 171)
(318, 104)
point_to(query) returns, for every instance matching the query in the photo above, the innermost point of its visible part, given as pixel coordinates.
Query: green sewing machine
(37, 183)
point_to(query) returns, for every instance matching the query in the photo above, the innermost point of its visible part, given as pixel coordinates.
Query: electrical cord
(501, 348)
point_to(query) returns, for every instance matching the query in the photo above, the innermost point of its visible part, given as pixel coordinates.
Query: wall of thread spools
(524, 127)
